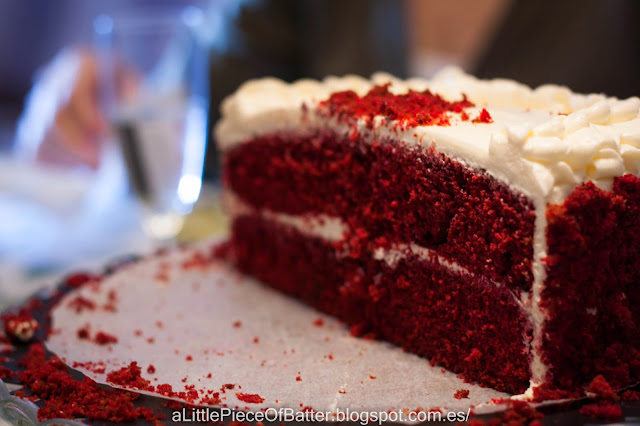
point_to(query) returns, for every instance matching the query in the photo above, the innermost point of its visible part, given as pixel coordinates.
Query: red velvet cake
(489, 227)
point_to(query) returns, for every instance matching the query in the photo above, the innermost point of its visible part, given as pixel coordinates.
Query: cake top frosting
(545, 140)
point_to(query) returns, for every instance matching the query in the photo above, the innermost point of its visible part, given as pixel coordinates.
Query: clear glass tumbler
(152, 69)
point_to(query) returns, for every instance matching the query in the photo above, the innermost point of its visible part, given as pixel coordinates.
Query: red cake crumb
(189, 358)
(318, 322)
(79, 304)
(546, 392)
(165, 389)
(461, 393)
(518, 413)
(602, 410)
(601, 390)
(483, 117)
(151, 369)
(197, 260)
(20, 325)
(112, 297)
(83, 333)
(65, 397)
(250, 398)
(630, 396)
(79, 279)
(129, 376)
(298, 379)
(410, 109)
(210, 400)
(103, 338)
(237, 324)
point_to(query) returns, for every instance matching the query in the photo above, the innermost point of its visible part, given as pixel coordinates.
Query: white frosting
(543, 142)
(537, 314)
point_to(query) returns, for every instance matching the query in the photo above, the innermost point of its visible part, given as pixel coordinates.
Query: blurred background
(106, 106)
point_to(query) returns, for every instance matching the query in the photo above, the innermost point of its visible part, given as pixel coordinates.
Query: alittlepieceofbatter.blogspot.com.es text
(194, 414)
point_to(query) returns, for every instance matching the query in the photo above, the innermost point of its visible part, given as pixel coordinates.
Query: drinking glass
(152, 69)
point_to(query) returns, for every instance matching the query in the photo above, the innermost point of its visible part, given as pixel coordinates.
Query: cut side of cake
(490, 227)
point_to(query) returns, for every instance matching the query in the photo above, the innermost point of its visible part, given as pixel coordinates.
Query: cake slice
(489, 227)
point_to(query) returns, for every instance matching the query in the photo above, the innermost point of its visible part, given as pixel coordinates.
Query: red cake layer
(388, 193)
(592, 292)
(459, 321)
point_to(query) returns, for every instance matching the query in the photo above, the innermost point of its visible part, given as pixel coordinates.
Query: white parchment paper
(209, 326)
